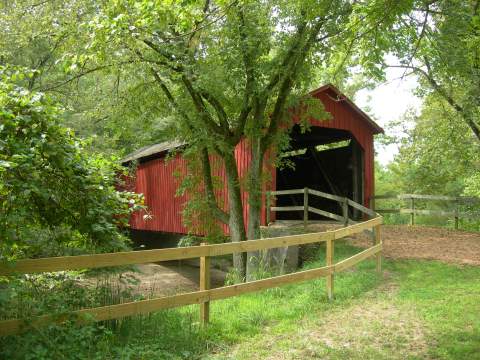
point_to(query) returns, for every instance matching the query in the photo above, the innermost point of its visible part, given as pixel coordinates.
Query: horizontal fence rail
(412, 210)
(343, 201)
(466, 199)
(205, 294)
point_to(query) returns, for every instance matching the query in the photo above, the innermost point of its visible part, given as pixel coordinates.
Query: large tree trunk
(236, 222)
(255, 185)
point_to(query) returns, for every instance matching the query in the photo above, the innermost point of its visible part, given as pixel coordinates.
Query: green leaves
(54, 197)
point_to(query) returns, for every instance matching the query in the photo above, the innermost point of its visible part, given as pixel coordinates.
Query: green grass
(418, 309)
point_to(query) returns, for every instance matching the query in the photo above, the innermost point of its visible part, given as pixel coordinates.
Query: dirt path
(153, 280)
(422, 242)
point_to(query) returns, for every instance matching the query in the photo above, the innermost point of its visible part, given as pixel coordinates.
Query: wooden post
(204, 285)
(412, 207)
(305, 207)
(267, 208)
(345, 211)
(378, 240)
(456, 214)
(329, 257)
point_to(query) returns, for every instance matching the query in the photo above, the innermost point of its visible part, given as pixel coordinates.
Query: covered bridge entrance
(328, 160)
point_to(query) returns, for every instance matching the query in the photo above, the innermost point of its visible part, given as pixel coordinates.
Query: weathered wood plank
(427, 197)
(427, 212)
(325, 195)
(388, 211)
(378, 241)
(325, 213)
(345, 212)
(412, 213)
(384, 196)
(355, 259)
(357, 228)
(329, 258)
(286, 208)
(430, 212)
(287, 192)
(305, 207)
(204, 285)
(267, 208)
(362, 208)
(147, 256)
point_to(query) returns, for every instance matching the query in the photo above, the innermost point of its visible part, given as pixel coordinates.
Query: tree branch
(78, 76)
(221, 114)
(201, 108)
(443, 93)
(248, 63)
(170, 97)
(286, 85)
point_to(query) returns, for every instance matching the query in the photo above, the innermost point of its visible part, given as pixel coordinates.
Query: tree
(231, 70)
(440, 42)
(434, 162)
(101, 102)
(55, 198)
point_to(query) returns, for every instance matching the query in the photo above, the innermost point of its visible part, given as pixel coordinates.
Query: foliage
(112, 108)
(435, 162)
(440, 162)
(439, 43)
(54, 197)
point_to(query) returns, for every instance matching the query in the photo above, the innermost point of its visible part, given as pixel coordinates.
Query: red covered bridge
(335, 156)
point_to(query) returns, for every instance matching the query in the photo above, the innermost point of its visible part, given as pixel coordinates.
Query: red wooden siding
(156, 179)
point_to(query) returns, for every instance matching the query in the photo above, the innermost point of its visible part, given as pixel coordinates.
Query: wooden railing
(344, 202)
(456, 214)
(204, 252)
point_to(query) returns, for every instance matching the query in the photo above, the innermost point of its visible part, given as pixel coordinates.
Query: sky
(388, 102)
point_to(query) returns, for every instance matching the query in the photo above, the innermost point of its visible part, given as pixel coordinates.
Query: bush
(55, 198)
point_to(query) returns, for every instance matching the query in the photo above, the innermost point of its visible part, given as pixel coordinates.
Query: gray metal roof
(152, 150)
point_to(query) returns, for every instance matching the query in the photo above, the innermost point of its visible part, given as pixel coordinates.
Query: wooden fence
(305, 208)
(204, 252)
(412, 210)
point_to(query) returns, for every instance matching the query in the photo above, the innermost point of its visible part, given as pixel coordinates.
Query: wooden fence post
(305, 207)
(204, 285)
(378, 240)
(412, 214)
(267, 208)
(345, 211)
(329, 256)
(456, 214)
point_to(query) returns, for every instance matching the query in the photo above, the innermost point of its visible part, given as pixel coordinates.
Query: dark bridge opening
(324, 159)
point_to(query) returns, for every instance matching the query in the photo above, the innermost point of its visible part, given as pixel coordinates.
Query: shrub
(55, 198)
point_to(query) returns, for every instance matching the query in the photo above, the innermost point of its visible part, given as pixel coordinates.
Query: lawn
(416, 309)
